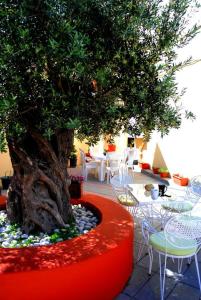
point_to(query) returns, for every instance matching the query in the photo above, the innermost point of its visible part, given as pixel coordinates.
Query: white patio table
(149, 208)
(102, 158)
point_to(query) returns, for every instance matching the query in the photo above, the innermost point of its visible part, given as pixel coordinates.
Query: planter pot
(183, 181)
(144, 165)
(155, 170)
(111, 148)
(75, 189)
(95, 265)
(6, 182)
(164, 174)
(73, 162)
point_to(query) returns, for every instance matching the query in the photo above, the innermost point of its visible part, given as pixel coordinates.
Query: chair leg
(108, 176)
(151, 257)
(180, 261)
(189, 261)
(198, 272)
(162, 276)
(141, 247)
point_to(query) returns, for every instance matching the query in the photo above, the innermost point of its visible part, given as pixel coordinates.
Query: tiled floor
(142, 286)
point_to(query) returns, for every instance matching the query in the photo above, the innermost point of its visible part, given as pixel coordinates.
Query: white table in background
(142, 196)
(103, 161)
(102, 158)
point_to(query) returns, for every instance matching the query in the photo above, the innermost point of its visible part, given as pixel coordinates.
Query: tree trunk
(38, 197)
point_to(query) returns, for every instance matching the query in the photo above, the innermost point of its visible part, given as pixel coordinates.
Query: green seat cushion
(179, 206)
(185, 247)
(127, 200)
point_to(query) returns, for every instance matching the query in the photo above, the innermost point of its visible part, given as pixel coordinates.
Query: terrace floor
(141, 285)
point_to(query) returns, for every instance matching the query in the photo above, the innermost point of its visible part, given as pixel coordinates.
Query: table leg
(101, 172)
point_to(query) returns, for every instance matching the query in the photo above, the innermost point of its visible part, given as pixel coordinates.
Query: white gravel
(11, 236)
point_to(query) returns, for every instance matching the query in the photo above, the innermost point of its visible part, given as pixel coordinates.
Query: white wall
(181, 149)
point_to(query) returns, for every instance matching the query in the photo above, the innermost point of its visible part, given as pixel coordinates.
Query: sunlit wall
(180, 151)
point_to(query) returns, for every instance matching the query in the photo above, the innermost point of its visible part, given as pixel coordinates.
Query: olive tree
(86, 68)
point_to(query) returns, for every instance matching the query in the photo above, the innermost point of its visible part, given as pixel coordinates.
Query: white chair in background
(97, 148)
(181, 238)
(132, 156)
(113, 164)
(87, 164)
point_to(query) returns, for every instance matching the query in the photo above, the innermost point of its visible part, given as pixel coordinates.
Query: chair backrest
(147, 229)
(113, 156)
(194, 186)
(113, 159)
(193, 191)
(183, 227)
(83, 157)
(124, 158)
(132, 155)
(97, 148)
(113, 164)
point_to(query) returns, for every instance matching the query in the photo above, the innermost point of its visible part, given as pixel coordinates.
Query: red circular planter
(3, 202)
(93, 266)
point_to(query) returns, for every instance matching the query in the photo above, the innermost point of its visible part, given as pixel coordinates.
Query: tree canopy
(91, 65)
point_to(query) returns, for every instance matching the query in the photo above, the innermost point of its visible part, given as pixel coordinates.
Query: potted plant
(5, 180)
(164, 173)
(155, 170)
(73, 158)
(143, 165)
(75, 188)
(111, 144)
(180, 180)
(111, 147)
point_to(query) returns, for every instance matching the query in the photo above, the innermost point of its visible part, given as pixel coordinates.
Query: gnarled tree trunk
(38, 197)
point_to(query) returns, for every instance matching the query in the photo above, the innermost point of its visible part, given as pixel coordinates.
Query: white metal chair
(113, 164)
(187, 202)
(132, 156)
(194, 188)
(120, 187)
(180, 239)
(87, 165)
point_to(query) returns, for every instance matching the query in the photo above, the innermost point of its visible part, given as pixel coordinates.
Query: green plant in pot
(164, 172)
(73, 158)
(5, 180)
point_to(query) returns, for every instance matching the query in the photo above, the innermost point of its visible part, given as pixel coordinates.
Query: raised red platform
(94, 266)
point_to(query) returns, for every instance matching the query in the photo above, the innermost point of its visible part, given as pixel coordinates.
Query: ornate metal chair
(181, 238)
(120, 187)
(187, 202)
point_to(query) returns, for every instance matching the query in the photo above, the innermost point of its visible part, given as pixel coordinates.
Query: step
(149, 173)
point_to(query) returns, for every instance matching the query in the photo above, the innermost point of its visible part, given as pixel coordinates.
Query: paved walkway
(140, 285)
